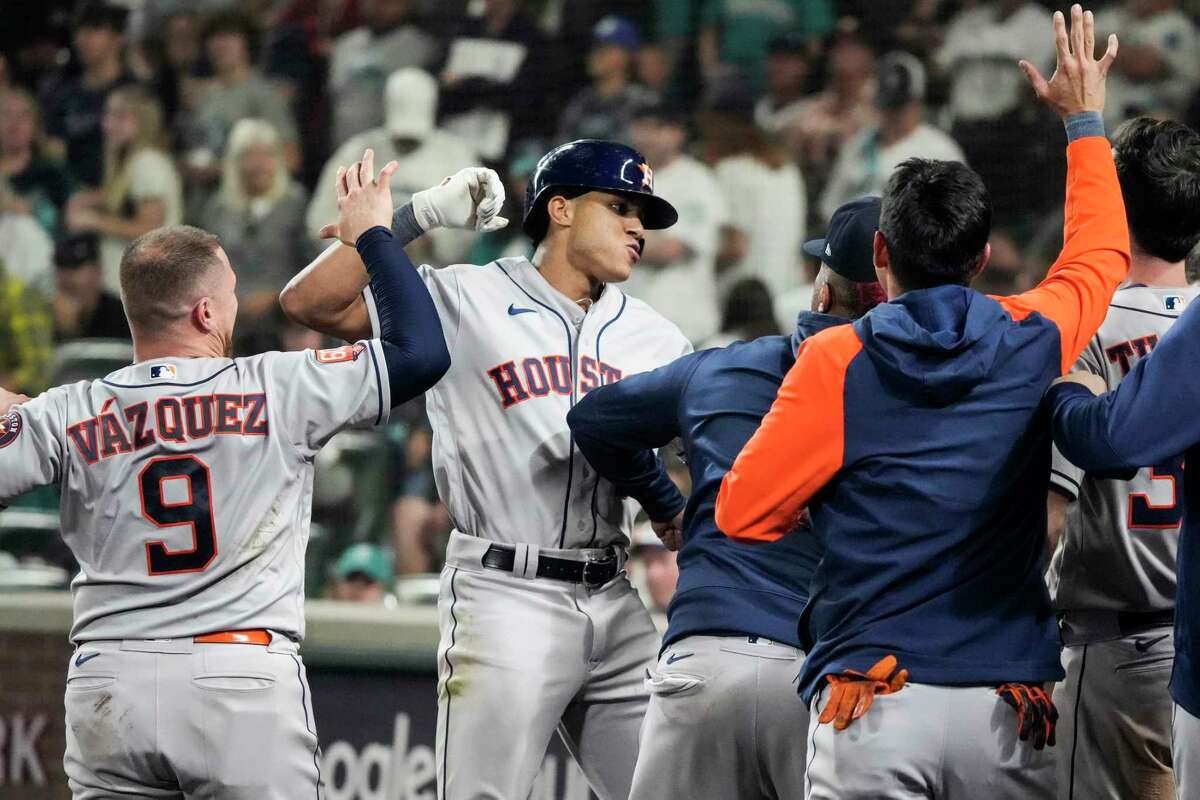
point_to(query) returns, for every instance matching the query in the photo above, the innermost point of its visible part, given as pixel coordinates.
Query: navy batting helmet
(593, 165)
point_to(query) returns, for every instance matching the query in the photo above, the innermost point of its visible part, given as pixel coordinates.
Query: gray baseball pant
(174, 719)
(929, 742)
(521, 657)
(724, 721)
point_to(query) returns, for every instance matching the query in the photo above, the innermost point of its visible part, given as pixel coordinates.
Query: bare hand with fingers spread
(1077, 84)
(364, 202)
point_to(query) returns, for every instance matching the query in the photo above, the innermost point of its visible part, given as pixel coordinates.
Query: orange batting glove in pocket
(853, 692)
(1036, 714)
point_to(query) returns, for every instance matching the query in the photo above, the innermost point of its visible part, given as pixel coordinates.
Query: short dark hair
(163, 271)
(936, 217)
(101, 15)
(233, 21)
(1158, 164)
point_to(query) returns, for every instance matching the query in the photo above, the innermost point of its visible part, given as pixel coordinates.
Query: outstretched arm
(1150, 418)
(326, 295)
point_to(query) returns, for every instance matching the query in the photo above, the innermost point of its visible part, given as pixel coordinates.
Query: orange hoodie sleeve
(1095, 256)
(797, 449)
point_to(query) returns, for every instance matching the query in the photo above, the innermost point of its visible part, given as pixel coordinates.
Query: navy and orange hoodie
(914, 439)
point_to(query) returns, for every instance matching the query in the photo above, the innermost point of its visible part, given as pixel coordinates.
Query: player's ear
(202, 315)
(560, 210)
(981, 265)
(882, 259)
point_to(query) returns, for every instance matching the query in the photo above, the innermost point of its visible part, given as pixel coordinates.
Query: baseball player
(722, 701)
(1112, 577)
(541, 629)
(1150, 418)
(186, 493)
(913, 437)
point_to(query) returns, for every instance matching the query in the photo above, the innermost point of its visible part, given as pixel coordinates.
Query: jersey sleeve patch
(337, 355)
(11, 425)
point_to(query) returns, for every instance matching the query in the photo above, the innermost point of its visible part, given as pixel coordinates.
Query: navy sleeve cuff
(1085, 123)
(405, 225)
(368, 238)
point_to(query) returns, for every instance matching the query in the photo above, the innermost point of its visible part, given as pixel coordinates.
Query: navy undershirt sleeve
(410, 332)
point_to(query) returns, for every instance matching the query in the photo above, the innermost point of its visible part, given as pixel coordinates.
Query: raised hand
(363, 201)
(1077, 84)
(470, 199)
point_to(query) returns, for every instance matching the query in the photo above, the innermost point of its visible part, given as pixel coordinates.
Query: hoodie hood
(810, 323)
(936, 344)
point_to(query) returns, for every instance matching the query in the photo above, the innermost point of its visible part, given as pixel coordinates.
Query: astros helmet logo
(10, 428)
(647, 176)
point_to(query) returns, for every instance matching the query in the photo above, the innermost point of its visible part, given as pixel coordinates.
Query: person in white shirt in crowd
(258, 212)
(603, 109)
(677, 272)
(28, 251)
(765, 196)
(981, 45)
(142, 189)
(867, 161)
(426, 153)
(835, 115)
(238, 90)
(362, 59)
(789, 68)
(1159, 66)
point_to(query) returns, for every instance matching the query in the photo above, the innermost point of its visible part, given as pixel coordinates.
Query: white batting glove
(470, 199)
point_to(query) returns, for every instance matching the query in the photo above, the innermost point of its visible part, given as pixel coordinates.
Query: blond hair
(248, 133)
(117, 159)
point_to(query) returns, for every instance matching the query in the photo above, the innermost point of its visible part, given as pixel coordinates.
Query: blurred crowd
(759, 119)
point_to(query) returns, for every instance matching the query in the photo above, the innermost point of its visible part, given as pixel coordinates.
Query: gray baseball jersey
(187, 484)
(1118, 550)
(521, 355)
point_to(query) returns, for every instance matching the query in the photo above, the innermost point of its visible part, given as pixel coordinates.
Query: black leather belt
(1131, 622)
(592, 573)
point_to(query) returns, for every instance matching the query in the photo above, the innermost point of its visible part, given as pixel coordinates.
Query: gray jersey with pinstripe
(521, 355)
(187, 484)
(1118, 550)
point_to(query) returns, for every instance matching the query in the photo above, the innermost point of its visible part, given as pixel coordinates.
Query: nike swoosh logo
(1146, 645)
(514, 310)
(82, 659)
(671, 659)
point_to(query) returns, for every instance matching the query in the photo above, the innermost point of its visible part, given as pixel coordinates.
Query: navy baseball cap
(849, 244)
(617, 31)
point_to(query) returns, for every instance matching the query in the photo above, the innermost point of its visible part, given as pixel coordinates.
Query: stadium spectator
(426, 154)
(497, 81)
(238, 90)
(26, 330)
(653, 68)
(362, 59)
(825, 122)
(865, 163)
(654, 571)
(40, 185)
(603, 110)
(363, 574)
(75, 106)
(27, 249)
(142, 189)
(747, 312)
(1159, 67)
(735, 36)
(258, 212)
(420, 522)
(990, 121)
(788, 72)
(765, 195)
(83, 308)
(179, 68)
(677, 272)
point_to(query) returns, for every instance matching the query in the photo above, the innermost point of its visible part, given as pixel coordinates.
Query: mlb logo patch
(10, 428)
(163, 372)
(337, 355)
(1174, 302)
